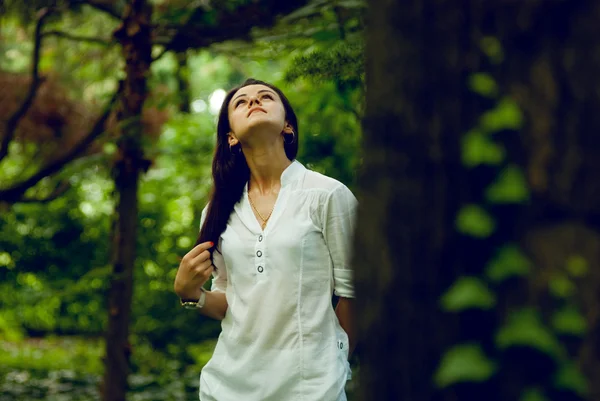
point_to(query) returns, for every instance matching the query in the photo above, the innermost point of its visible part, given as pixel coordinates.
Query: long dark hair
(229, 168)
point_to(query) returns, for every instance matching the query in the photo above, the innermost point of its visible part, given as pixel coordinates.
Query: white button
(258, 253)
(260, 269)
(260, 238)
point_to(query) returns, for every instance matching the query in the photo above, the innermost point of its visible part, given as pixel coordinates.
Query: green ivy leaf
(577, 266)
(506, 115)
(510, 187)
(478, 148)
(492, 48)
(560, 286)
(468, 293)
(464, 363)
(483, 84)
(473, 220)
(508, 262)
(569, 377)
(533, 394)
(569, 320)
(525, 328)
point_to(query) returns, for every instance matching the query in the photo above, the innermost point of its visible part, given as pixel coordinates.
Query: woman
(276, 239)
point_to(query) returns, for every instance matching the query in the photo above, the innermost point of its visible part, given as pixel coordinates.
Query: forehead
(251, 90)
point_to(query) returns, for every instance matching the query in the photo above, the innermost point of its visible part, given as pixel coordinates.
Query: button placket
(259, 257)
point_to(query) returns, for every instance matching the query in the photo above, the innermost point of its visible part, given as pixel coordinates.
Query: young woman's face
(256, 108)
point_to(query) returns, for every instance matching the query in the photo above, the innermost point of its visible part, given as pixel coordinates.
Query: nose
(253, 100)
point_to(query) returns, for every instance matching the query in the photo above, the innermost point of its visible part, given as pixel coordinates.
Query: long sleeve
(338, 230)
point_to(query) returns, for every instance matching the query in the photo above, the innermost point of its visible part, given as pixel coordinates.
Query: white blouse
(280, 338)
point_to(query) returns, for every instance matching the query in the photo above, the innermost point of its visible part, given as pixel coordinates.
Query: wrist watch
(195, 303)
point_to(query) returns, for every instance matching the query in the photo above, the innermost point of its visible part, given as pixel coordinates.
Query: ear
(232, 140)
(287, 128)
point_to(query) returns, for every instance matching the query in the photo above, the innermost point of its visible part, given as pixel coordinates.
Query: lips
(256, 109)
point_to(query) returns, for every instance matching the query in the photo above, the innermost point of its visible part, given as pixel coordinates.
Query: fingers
(198, 249)
(203, 257)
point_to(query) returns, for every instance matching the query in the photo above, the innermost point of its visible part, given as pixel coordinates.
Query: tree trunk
(134, 36)
(412, 184)
(551, 70)
(183, 82)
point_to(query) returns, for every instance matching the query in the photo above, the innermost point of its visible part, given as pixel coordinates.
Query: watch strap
(195, 303)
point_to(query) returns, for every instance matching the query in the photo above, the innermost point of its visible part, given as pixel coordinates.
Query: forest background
(478, 270)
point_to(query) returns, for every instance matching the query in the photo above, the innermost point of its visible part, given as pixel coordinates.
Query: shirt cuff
(343, 283)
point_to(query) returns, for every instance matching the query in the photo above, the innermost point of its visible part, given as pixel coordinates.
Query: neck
(266, 164)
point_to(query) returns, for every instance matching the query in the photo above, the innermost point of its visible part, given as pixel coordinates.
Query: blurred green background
(55, 254)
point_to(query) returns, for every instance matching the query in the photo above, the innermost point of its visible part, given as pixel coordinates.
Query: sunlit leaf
(508, 262)
(510, 187)
(478, 148)
(473, 220)
(464, 363)
(468, 293)
(483, 84)
(524, 327)
(568, 320)
(506, 115)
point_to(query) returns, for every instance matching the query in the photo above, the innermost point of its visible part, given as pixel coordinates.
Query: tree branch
(15, 193)
(77, 38)
(13, 121)
(113, 11)
(60, 189)
(227, 25)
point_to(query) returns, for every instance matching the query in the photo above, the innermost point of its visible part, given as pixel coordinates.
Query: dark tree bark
(134, 36)
(411, 185)
(183, 79)
(419, 54)
(551, 69)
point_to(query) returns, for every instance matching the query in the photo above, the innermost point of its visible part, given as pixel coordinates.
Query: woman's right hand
(194, 271)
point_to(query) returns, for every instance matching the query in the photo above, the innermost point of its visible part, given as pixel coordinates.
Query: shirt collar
(292, 173)
(289, 175)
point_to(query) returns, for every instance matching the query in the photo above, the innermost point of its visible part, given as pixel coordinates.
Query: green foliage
(474, 221)
(533, 394)
(508, 262)
(505, 115)
(478, 148)
(468, 293)
(492, 48)
(568, 320)
(510, 187)
(577, 266)
(524, 327)
(464, 363)
(483, 84)
(561, 286)
(344, 63)
(52, 354)
(569, 377)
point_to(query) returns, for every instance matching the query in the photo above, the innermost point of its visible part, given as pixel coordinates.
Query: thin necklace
(264, 223)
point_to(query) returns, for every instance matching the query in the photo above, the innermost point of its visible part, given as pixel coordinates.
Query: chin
(262, 124)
